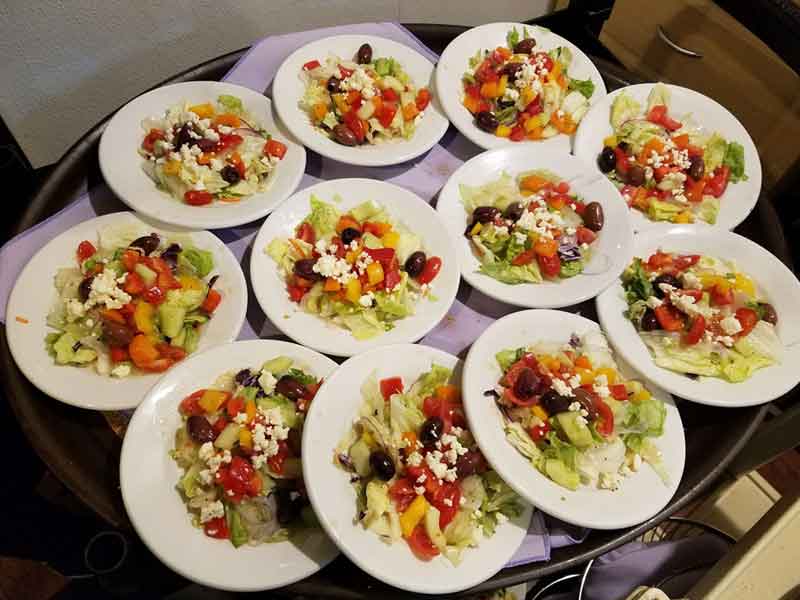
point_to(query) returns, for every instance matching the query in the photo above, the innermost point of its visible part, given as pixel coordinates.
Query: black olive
(205, 144)
(364, 54)
(305, 269)
(526, 384)
(117, 334)
(344, 135)
(288, 509)
(85, 287)
(350, 234)
(524, 46)
(623, 146)
(487, 121)
(170, 255)
(246, 378)
(295, 442)
(382, 464)
(770, 315)
(555, 403)
(485, 214)
(415, 263)
(147, 243)
(431, 431)
(697, 167)
(593, 217)
(584, 397)
(334, 85)
(513, 211)
(290, 387)
(667, 278)
(183, 137)
(635, 175)
(511, 69)
(649, 321)
(607, 159)
(200, 429)
(230, 174)
(469, 463)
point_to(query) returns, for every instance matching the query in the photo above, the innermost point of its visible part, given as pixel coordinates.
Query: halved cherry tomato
(447, 500)
(154, 295)
(539, 432)
(605, 423)
(430, 270)
(150, 139)
(190, 406)
(210, 304)
(685, 261)
(719, 181)
(198, 197)
(696, 330)
(421, 545)
(669, 317)
(85, 250)
(562, 187)
(423, 99)
(312, 64)
(721, 295)
(390, 386)
(134, 285)
(585, 235)
(119, 354)
(748, 318)
(217, 528)
(524, 258)
(549, 265)
(275, 148)
(618, 391)
(403, 494)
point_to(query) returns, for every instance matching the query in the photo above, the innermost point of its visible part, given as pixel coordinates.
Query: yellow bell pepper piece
(476, 229)
(527, 96)
(374, 273)
(340, 100)
(641, 396)
(172, 167)
(683, 217)
(189, 282)
(586, 375)
(540, 412)
(610, 374)
(744, 284)
(143, 317)
(531, 124)
(501, 85)
(250, 410)
(413, 515)
(211, 400)
(554, 72)
(353, 290)
(245, 438)
(319, 110)
(204, 111)
(502, 131)
(390, 239)
(610, 141)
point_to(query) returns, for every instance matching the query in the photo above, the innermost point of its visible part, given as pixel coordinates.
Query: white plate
(772, 278)
(121, 163)
(34, 294)
(288, 89)
(738, 200)
(332, 414)
(612, 250)
(148, 476)
(454, 62)
(640, 495)
(320, 334)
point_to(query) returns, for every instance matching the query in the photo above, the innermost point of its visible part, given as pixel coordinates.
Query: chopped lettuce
(583, 86)
(709, 209)
(734, 160)
(637, 132)
(231, 103)
(636, 282)
(505, 272)
(506, 358)
(499, 193)
(659, 96)
(624, 108)
(659, 210)
(714, 151)
(201, 262)
(323, 217)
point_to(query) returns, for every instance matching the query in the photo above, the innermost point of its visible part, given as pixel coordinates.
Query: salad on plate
(238, 446)
(667, 166)
(367, 101)
(570, 411)
(417, 471)
(361, 270)
(215, 151)
(530, 228)
(131, 306)
(522, 92)
(701, 316)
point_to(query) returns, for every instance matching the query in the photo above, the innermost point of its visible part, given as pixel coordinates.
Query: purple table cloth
(470, 314)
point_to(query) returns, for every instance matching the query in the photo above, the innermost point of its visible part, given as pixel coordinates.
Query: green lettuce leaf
(714, 152)
(659, 96)
(231, 103)
(200, 261)
(734, 159)
(636, 283)
(624, 108)
(507, 273)
(323, 217)
(584, 86)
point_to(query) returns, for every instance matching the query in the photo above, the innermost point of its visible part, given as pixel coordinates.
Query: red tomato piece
(585, 235)
(659, 260)
(391, 279)
(276, 462)
(524, 258)
(685, 261)
(305, 232)
(296, 293)
(517, 134)
(605, 424)
(421, 545)
(748, 318)
(312, 64)
(669, 318)
(129, 259)
(198, 197)
(210, 304)
(390, 386)
(544, 59)
(618, 391)
(217, 528)
(220, 424)
(345, 72)
(134, 285)
(657, 113)
(535, 106)
(402, 493)
(234, 406)
(621, 165)
(430, 270)
(423, 99)
(385, 256)
(227, 140)
(389, 95)
(275, 148)
(549, 265)
(387, 110)
(190, 406)
(720, 296)
(355, 125)
(562, 187)
(539, 432)
(696, 331)
(119, 354)
(154, 295)
(447, 500)
(719, 182)
(85, 250)
(151, 138)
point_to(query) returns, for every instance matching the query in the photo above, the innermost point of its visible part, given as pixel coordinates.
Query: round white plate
(148, 476)
(320, 334)
(777, 283)
(454, 62)
(640, 495)
(121, 163)
(738, 200)
(288, 89)
(34, 295)
(331, 416)
(612, 250)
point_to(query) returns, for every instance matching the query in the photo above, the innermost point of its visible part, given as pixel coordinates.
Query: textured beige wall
(66, 64)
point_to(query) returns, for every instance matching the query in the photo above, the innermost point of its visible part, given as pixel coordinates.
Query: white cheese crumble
(121, 370)
(210, 511)
(562, 388)
(653, 302)
(730, 325)
(267, 382)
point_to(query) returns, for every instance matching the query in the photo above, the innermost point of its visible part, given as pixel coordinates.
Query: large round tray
(81, 449)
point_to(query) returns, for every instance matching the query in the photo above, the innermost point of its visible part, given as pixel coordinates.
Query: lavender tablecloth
(470, 314)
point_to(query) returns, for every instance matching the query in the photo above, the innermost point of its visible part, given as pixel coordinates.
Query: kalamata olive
(607, 159)
(334, 85)
(593, 217)
(770, 315)
(170, 255)
(183, 137)
(513, 211)
(343, 135)
(200, 429)
(485, 214)
(635, 175)
(649, 320)
(526, 384)
(364, 54)
(288, 508)
(697, 167)
(554, 403)
(291, 388)
(431, 431)
(147, 243)
(84, 288)
(350, 234)
(415, 263)
(295, 442)
(382, 464)
(623, 146)
(205, 144)
(230, 174)
(487, 121)
(305, 269)
(669, 280)
(511, 70)
(246, 378)
(117, 334)
(584, 397)
(468, 463)
(524, 46)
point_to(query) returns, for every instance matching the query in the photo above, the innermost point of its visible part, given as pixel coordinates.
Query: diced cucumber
(359, 455)
(371, 242)
(278, 365)
(287, 408)
(84, 355)
(146, 273)
(576, 429)
(179, 340)
(192, 337)
(365, 211)
(228, 437)
(188, 482)
(237, 529)
(185, 450)
(171, 317)
(433, 530)
(558, 472)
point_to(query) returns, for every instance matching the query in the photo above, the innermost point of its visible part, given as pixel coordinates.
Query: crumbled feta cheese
(422, 478)
(730, 325)
(725, 340)
(520, 237)
(691, 281)
(653, 302)
(267, 382)
(205, 476)
(206, 451)
(75, 309)
(575, 406)
(419, 490)
(414, 459)
(687, 305)
(213, 510)
(451, 475)
(447, 502)
(501, 230)
(224, 129)
(121, 370)
(562, 388)
(328, 265)
(575, 381)
(435, 464)
(105, 290)
(366, 299)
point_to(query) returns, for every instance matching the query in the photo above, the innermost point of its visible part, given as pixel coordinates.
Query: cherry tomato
(605, 423)
(539, 432)
(585, 235)
(275, 148)
(621, 165)
(670, 123)
(447, 500)
(535, 106)
(685, 261)
(85, 250)
(241, 472)
(517, 134)
(171, 352)
(210, 304)
(217, 528)
(421, 545)
(485, 72)
(430, 270)
(390, 386)
(402, 493)
(305, 232)
(696, 331)
(549, 265)
(150, 139)
(276, 462)
(134, 285)
(747, 318)
(198, 197)
(157, 366)
(423, 99)
(669, 318)
(154, 295)
(618, 391)
(389, 95)
(719, 181)
(562, 187)
(312, 64)
(524, 258)
(189, 405)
